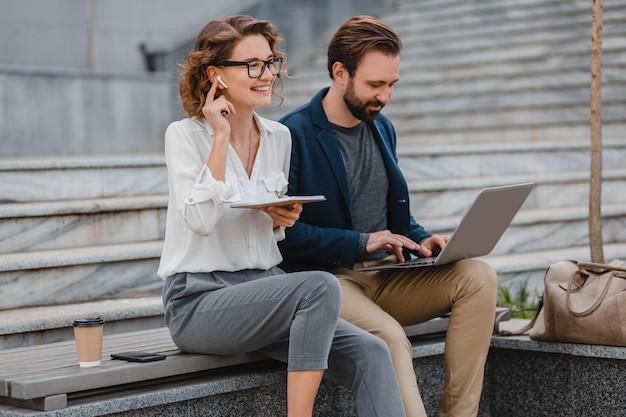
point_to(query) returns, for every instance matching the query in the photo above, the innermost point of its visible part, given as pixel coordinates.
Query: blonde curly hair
(215, 43)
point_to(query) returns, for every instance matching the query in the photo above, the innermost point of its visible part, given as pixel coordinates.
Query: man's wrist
(361, 249)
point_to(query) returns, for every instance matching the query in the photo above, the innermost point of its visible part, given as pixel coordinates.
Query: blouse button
(190, 200)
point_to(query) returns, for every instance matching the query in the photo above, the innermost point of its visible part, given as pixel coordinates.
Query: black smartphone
(137, 356)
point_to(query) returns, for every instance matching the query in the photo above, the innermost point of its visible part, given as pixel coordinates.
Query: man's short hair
(357, 36)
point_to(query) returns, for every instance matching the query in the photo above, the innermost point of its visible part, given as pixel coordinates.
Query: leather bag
(583, 302)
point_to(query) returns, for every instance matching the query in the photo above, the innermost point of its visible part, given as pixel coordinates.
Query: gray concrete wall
(74, 112)
(56, 34)
(74, 81)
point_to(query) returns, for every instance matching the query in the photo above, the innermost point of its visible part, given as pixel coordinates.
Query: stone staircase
(491, 92)
(494, 71)
(496, 92)
(79, 236)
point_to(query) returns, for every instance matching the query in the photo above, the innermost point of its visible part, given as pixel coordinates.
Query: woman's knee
(323, 287)
(372, 349)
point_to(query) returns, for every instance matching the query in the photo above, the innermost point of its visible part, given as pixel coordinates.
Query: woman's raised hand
(216, 110)
(212, 111)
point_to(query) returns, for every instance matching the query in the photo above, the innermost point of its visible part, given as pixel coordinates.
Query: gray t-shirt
(368, 182)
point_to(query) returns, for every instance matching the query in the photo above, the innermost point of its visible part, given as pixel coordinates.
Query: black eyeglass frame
(278, 63)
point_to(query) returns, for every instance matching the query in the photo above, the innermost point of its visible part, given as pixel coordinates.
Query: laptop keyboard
(417, 262)
(412, 263)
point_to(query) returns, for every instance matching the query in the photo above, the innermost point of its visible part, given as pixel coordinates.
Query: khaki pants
(384, 301)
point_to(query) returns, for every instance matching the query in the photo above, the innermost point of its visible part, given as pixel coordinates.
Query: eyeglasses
(256, 67)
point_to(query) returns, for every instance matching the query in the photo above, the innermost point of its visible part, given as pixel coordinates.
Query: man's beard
(358, 108)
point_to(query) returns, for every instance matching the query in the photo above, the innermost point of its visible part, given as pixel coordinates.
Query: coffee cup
(88, 336)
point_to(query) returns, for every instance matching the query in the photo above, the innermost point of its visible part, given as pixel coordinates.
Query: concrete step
(37, 325)
(80, 177)
(475, 48)
(467, 21)
(413, 88)
(475, 124)
(37, 226)
(29, 279)
(496, 101)
(452, 196)
(505, 158)
(451, 12)
(547, 229)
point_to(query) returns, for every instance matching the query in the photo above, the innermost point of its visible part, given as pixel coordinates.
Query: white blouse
(202, 232)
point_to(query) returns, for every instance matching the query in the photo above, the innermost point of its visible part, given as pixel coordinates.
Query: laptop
(479, 230)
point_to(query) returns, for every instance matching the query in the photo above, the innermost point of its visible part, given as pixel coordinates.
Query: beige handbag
(583, 302)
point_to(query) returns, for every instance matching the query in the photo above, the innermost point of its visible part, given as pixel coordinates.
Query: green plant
(519, 301)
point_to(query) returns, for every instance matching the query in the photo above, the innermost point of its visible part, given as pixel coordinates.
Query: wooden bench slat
(40, 360)
(43, 371)
(60, 348)
(64, 354)
(42, 366)
(10, 356)
(69, 380)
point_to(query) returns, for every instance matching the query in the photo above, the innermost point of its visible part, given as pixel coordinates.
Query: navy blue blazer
(323, 237)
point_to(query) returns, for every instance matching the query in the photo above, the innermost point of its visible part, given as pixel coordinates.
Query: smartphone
(219, 80)
(137, 356)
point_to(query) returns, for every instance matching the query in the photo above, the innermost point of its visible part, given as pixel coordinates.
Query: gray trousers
(289, 317)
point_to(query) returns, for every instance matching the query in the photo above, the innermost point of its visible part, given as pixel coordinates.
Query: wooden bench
(41, 377)
(524, 378)
(47, 377)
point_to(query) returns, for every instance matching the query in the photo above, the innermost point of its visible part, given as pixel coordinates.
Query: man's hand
(431, 246)
(392, 243)
(285, 216)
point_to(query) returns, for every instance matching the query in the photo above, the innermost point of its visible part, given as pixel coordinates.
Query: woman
(223, 292)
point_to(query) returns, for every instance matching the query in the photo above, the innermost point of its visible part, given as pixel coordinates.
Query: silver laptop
(479, 230)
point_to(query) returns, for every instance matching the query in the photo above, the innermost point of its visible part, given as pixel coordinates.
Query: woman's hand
(212, 111)
(216, 111)
(285, 216)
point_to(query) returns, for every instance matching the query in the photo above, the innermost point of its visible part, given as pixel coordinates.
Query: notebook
(479, 230)
(281, 201)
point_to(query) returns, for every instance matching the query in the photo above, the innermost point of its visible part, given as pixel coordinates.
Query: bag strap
(600, 268)
(597, 269)
(520, 331)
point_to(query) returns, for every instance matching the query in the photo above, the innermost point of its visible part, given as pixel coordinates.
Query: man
(344, 148)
